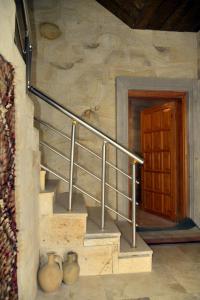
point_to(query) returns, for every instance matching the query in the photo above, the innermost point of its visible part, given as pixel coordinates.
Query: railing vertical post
(71, 169)
(134, 205)
(103, 185)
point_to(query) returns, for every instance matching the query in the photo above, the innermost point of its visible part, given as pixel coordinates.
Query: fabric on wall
(8, 230)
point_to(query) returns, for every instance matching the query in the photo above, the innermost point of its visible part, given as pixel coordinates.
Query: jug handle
(58, 260)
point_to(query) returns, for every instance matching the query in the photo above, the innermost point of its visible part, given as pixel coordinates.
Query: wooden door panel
(166, 140)
(166, 161)
(157, 140)
(166, 118)
(157, 161)
(167, 183)
(147, 123)
(148, 161)
(157, 182)
(147, 142)
(159, 173)
(169, 206)
(147, 180)
(156, 120)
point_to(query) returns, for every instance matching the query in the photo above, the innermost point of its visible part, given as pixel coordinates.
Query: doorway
(157, 131)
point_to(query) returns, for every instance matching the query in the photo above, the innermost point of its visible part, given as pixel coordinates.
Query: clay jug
(71, 268)
(50, 275)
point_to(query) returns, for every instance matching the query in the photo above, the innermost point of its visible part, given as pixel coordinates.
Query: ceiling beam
(147, 13)
(162, 13)
(117, 10)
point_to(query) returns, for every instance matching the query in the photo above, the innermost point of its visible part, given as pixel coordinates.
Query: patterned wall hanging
(8, 231)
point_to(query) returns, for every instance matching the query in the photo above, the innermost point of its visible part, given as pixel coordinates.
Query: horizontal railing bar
(81, 146)
(54, 173)
(117, 169)
(52, 128)
(116, 190)
(85, 170)
(74, 117)
(98, 201)
(54, 150)
(67, 181)
(84, 192)
(117, 213)
(66, 158)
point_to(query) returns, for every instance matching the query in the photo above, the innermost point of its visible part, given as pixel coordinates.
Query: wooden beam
(177, 16)
(191, 18)
(117, 10)
(147, 13)
(162, 13)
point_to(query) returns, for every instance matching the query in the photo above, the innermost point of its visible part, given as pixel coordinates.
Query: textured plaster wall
(26, 162)
(80, 66)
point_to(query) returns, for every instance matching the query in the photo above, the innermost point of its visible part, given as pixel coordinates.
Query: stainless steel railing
(101, 179)
(81, 146)
(44, 144)
(76, 120)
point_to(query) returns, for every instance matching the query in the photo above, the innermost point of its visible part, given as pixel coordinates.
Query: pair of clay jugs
(51, 275)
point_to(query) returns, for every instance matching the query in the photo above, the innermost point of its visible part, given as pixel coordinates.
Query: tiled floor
(175, 276)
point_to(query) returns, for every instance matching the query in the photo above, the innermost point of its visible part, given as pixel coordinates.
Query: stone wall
(78, 61)
(26, 161)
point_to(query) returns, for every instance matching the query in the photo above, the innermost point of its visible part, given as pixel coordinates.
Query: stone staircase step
(47, 197)
(94, 235)
(42, 180)
(61, 204)
(64, 230)
(126, 250)
(133, 260)
(94, 224)
(51, 185)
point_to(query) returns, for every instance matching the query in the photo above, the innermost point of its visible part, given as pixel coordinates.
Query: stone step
(64, 230)
(95, 236)
(133, 260)
(42, 180)
(47, 197)
(61, 205)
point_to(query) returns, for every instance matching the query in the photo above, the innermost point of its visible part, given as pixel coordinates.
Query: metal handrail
(74, 117)
(77, 120)
(28, 25)
(81, 146)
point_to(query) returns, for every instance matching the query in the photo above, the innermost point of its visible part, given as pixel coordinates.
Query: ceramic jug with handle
(50, 275)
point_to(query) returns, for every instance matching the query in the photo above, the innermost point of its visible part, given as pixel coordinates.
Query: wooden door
(159, 146)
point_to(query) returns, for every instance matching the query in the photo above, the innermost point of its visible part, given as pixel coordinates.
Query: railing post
(71, 169)
(103, 185)
(133, 205)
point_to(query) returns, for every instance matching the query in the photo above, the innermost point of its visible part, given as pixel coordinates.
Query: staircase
(66, 223)
(100, 252)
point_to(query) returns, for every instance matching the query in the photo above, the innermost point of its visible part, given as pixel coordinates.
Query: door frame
(181, 99)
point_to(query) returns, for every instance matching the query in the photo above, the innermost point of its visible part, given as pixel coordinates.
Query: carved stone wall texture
(8, 231)
(79, 69)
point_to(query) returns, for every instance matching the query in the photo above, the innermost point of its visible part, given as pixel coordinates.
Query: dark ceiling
(173, 15)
